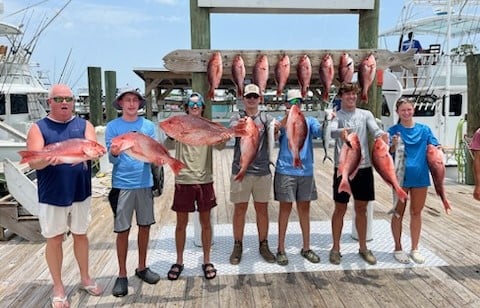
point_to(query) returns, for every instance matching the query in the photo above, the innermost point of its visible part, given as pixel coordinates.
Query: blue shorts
(362, 186)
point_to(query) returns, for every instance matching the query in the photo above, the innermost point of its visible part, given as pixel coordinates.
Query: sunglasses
(249, 96)
(295, 101)
(60, 99)
(193, 104)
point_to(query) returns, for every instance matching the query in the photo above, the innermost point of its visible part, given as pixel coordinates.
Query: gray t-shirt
(360, 121)
(260, 166)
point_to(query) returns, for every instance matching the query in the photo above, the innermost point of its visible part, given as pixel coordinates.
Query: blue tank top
(63, 184)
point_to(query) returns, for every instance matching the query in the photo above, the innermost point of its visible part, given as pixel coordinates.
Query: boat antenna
(65, 65)
(26, 8)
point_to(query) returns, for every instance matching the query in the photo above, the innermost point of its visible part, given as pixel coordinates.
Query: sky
(122, 35)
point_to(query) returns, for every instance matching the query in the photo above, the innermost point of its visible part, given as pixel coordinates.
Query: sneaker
(335, 257)
(310, 255)
(236, 255)
(265, 252)
(120, 288)
(368, 256)
(147, 275)
(282, 258)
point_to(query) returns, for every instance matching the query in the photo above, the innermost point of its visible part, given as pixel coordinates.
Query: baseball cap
(251, 89)
(125, 91)
(291, 94)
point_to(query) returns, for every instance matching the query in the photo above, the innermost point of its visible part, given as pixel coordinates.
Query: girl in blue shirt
(416, 137)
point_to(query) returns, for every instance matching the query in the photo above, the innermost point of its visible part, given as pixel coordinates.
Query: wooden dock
(25, 280)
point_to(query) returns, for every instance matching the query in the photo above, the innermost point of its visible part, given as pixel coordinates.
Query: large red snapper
(261, 72)
(238, 74)
(71, 151)
(437, 170)
(349, 162)
(144, 148)
(346, 68)
(327, 72)
(296, 133)
(304, 74)
(194, 130)
(248, 148)
(282, 72)
(214, 73)
(383, 163)
(366, 74)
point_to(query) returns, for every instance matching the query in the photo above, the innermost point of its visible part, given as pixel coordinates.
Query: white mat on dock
(162, 250)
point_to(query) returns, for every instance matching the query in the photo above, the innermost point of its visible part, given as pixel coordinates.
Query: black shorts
(362, 186)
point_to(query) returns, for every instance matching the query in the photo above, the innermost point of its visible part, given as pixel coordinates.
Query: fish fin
(344, 187)
(176, 165)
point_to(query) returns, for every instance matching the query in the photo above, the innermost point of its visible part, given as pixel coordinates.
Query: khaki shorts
(259, 187)
(56, 220)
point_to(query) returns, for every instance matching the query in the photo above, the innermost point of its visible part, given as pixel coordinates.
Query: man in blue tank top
(64, 191)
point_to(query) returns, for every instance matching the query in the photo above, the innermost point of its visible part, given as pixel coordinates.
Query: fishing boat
(438, 85)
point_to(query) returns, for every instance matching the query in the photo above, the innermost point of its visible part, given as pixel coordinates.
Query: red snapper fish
(437, 169)
(383, 162)
(144, 148)
(248, 148)
(296, 132)
(366, 74)
(282, 72)
(350, 158)
(260, 73)
(304, 74)
(214, 73)
(346, 68)
(238, 74)
(327, 72)
(71, 151)
(196, 131)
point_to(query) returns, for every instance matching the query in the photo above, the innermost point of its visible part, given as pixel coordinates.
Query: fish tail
(297, 162)
(26, 156)
(240, 175)
(211, 93)
(344, 186)
(176, 165)
(364, 97)
(402, 195)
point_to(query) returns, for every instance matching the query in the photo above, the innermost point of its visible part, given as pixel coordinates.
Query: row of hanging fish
(261, 73)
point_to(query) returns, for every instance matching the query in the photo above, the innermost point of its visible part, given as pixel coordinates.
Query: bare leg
(239, 211)
(143, 238)
(206, 235)
(122, 249)
(54, 257)
(80, 249)
(180, 235)
(283, 215)
(303, 209)
(337, 224)
(417, 202)
(361, 223)
(396, 225)
(261, 210)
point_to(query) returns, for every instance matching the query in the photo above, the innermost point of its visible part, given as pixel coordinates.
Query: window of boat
(455, 105)
(19, 103)
(2, 104)
(385, 110)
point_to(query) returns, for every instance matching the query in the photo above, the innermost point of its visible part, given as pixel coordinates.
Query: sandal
(209, 271)
(58, 301)
(310, 255)
(175, 271)
(94, 289)
(417, 257)
(401, 256)
(335, 257)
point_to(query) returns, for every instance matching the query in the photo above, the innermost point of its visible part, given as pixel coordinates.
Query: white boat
(22, 96)
(453, 27)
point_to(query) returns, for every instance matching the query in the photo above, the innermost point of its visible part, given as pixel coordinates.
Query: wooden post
(150, 99)
(110, 94)
(473, 110)
(95, 95)
(368, 39)
(200, 39)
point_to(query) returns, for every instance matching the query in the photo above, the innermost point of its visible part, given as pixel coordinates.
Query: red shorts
(194, 197)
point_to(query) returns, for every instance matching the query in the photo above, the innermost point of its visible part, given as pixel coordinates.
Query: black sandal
(208, 270)
(175, 271)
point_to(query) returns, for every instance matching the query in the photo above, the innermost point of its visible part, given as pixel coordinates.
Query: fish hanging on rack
(214, 73)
